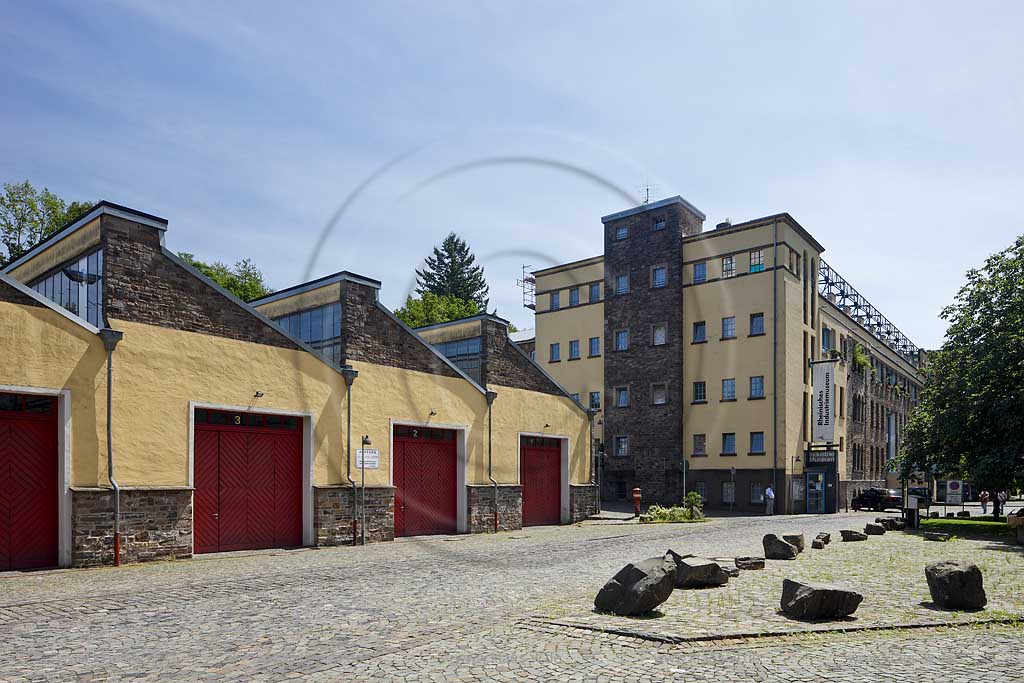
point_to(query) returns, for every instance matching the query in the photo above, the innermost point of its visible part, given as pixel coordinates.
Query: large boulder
(935, 536)
(699, 572)
(795, 540)
(806, 601)
(777, 549)
(964, 513)
(850, 535)
(874, 529)
(934, 515)
(749, 563)
(955, 585)
(818, 544)
(731, 572)
(824, 537)
(638, 588)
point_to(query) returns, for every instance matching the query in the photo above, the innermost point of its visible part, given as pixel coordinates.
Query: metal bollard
(636, 502)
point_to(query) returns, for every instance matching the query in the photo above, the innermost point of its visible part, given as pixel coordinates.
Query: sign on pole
(368, 458)
(824, 409)
(954, 492)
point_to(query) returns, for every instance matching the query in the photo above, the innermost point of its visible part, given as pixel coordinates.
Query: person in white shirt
(769, 501)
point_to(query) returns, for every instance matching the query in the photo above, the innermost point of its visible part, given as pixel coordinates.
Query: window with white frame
(621, 340)
(729, 443)
(621, 446)
(700, 392)
(659, 334)
(757, 442)
(659, 275)
(622, 284)
(595, 400)
(621, 232)
(756, 324)
(659, 394)
(621, 397)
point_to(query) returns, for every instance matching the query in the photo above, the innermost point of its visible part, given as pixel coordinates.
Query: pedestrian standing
(1002, 500)
(769, 501)
(983, 498)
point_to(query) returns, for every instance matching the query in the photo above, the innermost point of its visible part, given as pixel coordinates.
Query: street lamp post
(362, 486)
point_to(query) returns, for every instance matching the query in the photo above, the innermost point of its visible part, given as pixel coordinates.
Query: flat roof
(589, 261)
(755, 223)
(340, 276)
(98, 209)
(653, 205)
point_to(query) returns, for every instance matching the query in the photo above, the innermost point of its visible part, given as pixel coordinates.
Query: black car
(878, 499)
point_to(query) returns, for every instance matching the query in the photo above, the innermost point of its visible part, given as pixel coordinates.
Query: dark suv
(878, 499)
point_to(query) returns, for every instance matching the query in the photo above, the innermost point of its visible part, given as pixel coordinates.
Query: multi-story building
(701, 344)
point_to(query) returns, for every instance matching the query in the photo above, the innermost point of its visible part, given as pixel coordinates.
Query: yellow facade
(580, 322)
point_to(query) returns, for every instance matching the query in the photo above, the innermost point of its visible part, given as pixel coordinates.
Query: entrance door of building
(540, 473)
(248, 481)
(815, 492)
(28, 482)
(426, 481)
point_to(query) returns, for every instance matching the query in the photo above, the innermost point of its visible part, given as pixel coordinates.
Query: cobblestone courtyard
(513, 606)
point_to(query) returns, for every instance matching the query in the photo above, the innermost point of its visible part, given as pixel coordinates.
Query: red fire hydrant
(636, 502)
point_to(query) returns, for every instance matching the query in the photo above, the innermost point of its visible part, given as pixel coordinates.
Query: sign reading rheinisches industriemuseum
(823, 406)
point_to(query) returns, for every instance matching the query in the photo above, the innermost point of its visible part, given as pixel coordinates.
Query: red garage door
(540, 473)
(248, 481)
(28, 482)
(425, 481)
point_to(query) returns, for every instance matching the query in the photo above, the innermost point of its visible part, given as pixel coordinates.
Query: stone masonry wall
(654, 457)
(582, 502)
(332, 514)
(16, 296)
(370, 335)
(155, 525)
(480, 508)
(505, 365)
(141, 284)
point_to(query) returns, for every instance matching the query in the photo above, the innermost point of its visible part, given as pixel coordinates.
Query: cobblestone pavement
(463, 608)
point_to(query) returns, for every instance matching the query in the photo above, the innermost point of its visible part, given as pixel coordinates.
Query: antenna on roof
(528, 284)
(646, 190)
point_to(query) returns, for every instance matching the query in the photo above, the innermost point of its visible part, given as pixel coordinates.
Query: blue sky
(891, 131)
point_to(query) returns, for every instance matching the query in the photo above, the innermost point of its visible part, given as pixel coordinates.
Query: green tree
(969, 422)
(452, 271)
(28, 216)
(244, 279)
(431, 309)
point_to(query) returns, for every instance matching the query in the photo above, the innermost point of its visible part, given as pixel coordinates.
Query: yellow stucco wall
(158, 371)
(572, 322)
(85, 238)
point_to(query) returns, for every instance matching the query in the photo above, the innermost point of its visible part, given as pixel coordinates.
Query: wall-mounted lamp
(546, 425)
(258, 394)
(432, 413)
(366, 441)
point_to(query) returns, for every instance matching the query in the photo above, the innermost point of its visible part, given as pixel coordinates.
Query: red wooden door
(540, 473)
(28, 482)
(426, 483)
(248, 482)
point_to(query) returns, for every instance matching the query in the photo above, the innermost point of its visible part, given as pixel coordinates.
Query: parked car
(878, 499)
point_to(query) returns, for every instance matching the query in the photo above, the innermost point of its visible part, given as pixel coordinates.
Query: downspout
(775, 360)
(110, 339)
(591, 414)
(350, 374)
(491, 395)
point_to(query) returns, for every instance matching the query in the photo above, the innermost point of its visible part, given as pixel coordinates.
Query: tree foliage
(431, 309)
(970, 421)
(28, 216)
(452, 271)
(244, 279)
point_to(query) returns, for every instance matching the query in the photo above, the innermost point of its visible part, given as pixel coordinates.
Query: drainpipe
(491, 395)
(350, 374)
(110, 339)
(775, 359)
(591, 414)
